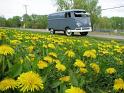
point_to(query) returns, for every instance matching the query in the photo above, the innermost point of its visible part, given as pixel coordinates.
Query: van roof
(72, 10)
(69, 11)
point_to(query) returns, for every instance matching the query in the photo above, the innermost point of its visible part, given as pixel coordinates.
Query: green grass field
(32, 62)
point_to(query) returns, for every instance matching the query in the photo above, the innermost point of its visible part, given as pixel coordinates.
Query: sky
(10, 8)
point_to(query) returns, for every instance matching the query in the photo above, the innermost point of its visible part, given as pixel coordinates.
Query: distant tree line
(26, 21)
(113, 23)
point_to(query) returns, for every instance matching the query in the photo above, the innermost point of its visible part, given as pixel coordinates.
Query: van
(70, 21)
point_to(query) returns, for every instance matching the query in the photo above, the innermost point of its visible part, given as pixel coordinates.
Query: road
(93, 34)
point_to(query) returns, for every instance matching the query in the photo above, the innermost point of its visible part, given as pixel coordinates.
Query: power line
(113, 8)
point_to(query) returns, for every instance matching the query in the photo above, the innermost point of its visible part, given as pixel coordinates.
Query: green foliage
(2, 22)
(39, 22)
(26, 21)
(14, 22)
(117, 22)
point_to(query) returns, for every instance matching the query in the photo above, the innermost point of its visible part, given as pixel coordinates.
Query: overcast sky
(9, 8)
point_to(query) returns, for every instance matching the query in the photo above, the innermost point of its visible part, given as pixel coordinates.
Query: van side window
(67, 14)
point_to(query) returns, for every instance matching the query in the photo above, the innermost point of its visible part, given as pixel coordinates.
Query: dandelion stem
(3, 66)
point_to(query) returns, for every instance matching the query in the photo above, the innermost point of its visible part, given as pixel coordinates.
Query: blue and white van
(70, 21)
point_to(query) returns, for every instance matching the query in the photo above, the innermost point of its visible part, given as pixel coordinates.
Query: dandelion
(79, 63)
(5, 50)
(41, 64)
(70, 53)
(90, 53)
(48, 59)
(30, 48)
(110, 70)
(56, 61)
(118, 84)
(45, 46)
(29, 81)
(65, 79)
(15, 42)
(53, 54)
(74, 90)
(95, 67)
(7, 84)
(52, 46)
(60, 67)
(83, 70)
(32, 56)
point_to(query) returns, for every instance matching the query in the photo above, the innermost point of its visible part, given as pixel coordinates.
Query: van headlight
(78, 24)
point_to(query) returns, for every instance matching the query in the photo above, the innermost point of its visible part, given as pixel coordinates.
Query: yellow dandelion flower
(5, 50)
(90, 53)
(32, 57)
(53, 54)
(110, 70)
(15, 42)
(52, 46)
(7, 83)
(29, 81)
(45, 46)
(70, 53)
(118, 84)
(30, 48)
(41, 64)
(65, 79)
(60, 67)
(74, 90)
(48, 59)
(95, 67)
(79, 63)
(56, 61)
(83, 70)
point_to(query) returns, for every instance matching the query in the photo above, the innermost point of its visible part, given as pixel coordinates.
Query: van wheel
(67, 32)
(83, 33)
(52, 31)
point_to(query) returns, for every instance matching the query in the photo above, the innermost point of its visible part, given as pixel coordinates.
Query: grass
(88, 63)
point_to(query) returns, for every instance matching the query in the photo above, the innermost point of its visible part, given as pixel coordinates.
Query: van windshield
(80, 14)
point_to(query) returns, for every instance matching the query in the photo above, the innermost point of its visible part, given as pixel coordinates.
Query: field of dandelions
(43, 63)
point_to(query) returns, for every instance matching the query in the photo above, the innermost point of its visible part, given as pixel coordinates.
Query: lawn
(43, 63)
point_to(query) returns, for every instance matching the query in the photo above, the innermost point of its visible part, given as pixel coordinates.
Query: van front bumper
(87, 29)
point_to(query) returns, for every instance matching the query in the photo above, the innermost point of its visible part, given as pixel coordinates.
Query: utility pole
(25, 19)
(25, 8)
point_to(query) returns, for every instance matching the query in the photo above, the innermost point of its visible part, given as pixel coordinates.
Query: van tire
(68, 33)
(52, 31)
(83, 33)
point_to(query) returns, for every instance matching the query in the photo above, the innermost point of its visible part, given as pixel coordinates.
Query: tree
(26, 21)
(117, 22)
(14, 22)
(39, 21)
(2, 22)
(104, 23)
(88, 5)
